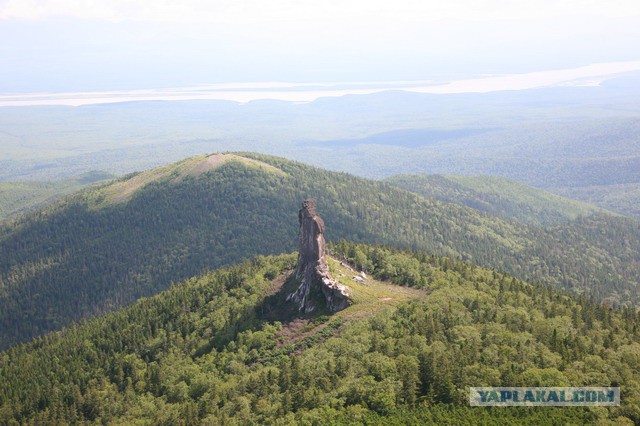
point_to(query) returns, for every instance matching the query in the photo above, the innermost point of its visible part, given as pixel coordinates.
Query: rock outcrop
(312, 267)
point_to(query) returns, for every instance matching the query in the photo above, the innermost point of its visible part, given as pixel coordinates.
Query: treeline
(200, 353)
(84, 256)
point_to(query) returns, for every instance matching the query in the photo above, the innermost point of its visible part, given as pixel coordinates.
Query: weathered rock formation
(312, 267)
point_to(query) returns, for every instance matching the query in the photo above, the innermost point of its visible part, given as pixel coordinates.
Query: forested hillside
(107, 247)
(18, 197)
(498, 196)
(205, 352)
(620, 198)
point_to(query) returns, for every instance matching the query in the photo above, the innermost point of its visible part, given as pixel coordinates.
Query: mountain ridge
(70, 261)
(201, 351)
(498, 196)
(22, 196)
(125, 188)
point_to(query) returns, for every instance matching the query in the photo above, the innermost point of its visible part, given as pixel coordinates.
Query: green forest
(19, 197)
(106, 247)
(497, 196)
(623, 198)
(209, 351)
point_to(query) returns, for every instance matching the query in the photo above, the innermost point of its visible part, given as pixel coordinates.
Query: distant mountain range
(580, 142)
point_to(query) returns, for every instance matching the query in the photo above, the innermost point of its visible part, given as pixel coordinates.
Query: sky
(89, 45)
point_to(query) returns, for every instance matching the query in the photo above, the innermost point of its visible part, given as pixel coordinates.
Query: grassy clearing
(369, 297)
(122, 191)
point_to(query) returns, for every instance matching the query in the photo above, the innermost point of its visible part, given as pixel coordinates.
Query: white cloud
(168, 42)
(252, 11)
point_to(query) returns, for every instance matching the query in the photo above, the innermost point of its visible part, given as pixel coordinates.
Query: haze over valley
(577, 141)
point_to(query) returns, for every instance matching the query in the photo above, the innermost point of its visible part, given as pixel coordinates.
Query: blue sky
(66, 45)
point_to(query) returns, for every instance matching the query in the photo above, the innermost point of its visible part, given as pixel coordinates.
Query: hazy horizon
(73, 45)
(591, 75)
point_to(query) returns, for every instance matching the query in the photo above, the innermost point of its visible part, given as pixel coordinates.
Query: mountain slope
(18, 197)
(621, 198)
(107, 247)
(202, 352)
(498, 196)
